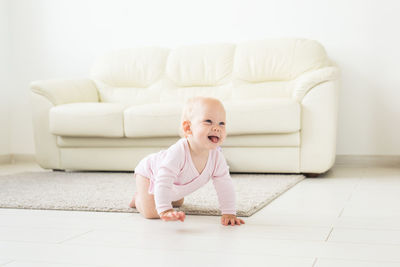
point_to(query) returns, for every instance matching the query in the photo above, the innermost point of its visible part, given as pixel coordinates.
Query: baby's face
(208, 124)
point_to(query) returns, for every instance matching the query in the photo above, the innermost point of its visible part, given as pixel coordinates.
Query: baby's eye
(208, 121)
(222, 123)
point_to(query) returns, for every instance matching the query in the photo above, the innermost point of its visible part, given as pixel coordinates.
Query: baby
(164, 178)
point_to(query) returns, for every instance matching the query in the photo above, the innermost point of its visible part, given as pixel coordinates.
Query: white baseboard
(17, 158)
(368, 160)
(5, 159)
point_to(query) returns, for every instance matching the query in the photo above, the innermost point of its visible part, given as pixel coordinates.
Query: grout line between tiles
(179, 250)
(6, 263)
(368, 228)
(315, 262)
(348, 199)
(361, 261)
(330, 232)
(341, 212)
(73, 237)
(352, 191)
(368, 243)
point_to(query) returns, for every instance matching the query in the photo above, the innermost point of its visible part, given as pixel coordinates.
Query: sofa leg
(58, 170)
(311, 175)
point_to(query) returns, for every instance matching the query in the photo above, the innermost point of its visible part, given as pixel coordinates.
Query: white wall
(4, 82)
(59, 39)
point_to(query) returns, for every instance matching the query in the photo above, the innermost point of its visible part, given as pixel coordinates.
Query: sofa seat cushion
(153, 120)
(262, 116)
(87, 119)
(257, 116)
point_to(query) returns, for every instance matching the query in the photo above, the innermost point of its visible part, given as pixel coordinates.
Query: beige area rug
(112, 191)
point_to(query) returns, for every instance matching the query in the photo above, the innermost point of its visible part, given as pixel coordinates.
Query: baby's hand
(231, 219)
(172, 215)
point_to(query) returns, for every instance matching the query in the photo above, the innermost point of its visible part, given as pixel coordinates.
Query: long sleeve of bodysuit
(166, 175)
(224, 186)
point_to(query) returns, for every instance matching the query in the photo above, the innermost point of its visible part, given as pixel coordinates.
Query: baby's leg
(144, 201)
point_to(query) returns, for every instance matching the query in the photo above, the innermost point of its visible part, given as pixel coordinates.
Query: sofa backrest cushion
(200, 65)
(136, 67)
(277, 59)
(246, 70)
(270, 89)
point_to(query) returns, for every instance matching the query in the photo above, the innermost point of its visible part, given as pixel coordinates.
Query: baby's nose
(216, 128)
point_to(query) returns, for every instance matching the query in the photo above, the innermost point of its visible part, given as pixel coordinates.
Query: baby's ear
(186, 127)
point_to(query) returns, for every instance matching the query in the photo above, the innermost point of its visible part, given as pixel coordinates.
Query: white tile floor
(348, 217)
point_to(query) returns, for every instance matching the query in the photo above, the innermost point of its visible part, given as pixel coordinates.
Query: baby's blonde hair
(189, 110)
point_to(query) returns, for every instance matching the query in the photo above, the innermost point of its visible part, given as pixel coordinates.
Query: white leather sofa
(281, 98)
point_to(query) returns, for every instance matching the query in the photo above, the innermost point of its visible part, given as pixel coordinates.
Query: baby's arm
(226, 194)
(226, 198)
(163, 187)
(163, 191)
(225, 191)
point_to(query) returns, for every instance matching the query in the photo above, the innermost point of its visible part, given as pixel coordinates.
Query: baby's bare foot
(133, 204)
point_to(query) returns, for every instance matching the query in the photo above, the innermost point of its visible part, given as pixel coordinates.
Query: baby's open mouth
(214, 139)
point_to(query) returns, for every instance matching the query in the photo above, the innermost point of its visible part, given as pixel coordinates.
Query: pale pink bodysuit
(173, 176)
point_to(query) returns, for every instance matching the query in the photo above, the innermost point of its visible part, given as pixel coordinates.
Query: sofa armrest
(309, 80)
(66, 91)
(319, 120)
